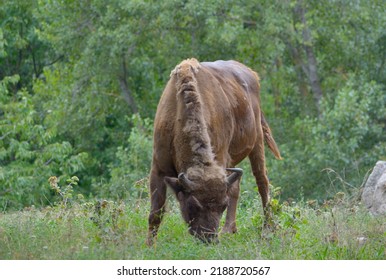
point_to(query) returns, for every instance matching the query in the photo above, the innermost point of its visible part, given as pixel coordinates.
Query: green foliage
(130, 172)
(72, 72)
(88, 123)
(335, 151)
(28, 154)
(22, 52)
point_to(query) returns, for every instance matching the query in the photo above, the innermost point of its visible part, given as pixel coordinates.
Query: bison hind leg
(257, 160)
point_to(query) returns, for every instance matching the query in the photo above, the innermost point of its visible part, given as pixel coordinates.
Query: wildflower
(53, 180)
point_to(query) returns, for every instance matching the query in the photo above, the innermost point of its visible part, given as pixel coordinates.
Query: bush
(29, 152)
(130, 171)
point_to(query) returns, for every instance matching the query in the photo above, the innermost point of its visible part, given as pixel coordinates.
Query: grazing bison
(208, 120)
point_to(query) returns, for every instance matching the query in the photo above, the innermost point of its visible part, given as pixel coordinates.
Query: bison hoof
(150, 241)
(229, 229)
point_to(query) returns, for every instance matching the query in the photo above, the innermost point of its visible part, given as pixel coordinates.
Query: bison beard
(207, 121)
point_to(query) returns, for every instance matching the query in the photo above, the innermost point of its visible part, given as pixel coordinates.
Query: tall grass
(338, 229)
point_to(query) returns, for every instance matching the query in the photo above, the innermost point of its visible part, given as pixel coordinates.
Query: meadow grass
(109, 230)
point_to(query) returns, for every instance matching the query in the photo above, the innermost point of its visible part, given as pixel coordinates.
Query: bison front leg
(157, 198)
(230, 220)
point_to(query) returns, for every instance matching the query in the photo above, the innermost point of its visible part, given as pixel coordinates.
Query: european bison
(208, 120)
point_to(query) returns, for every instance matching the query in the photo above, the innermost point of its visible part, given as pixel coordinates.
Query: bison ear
(173, 183)
(176, 186)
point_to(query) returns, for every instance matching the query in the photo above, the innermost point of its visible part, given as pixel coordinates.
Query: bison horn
(185, 182)
(236, 174)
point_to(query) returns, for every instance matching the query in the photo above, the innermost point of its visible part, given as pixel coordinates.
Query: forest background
(80, 82)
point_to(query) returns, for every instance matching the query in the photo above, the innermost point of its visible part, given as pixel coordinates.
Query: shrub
(130, 171)
(29, 152)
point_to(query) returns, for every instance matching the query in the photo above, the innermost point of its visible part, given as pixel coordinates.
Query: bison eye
(193, 208)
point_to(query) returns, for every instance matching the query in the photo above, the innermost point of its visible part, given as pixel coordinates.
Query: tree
(22, 52)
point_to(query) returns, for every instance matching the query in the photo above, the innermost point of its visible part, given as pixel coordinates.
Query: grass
(338, 229)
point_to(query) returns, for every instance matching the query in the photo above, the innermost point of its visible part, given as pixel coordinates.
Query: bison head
(203, 201)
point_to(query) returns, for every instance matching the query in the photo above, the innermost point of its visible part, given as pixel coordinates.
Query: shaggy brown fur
(208, 119)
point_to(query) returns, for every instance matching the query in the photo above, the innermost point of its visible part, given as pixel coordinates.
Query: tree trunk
(125, 91)
(310, 68)
(299, 67)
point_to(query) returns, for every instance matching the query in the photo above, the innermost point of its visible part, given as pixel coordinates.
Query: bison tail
(269, 138)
